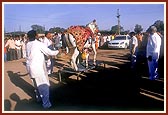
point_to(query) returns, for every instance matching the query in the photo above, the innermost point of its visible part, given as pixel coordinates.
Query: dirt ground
(112, 86)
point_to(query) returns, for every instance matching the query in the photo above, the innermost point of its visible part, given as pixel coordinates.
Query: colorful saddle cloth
(81, 34)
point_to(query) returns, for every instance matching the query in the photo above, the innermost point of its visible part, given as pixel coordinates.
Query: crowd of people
(14, 45)
(146, 48)
(39, 52)
(14, 48)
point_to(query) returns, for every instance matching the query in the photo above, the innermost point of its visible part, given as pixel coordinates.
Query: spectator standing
(48, 43)
(18, 46)
(23, 44)
(101, 42)
(56, 41)
(11, 47)
(141, 54)
(113, 36)
(5, 51)
(161, 58)
(133, 49)
(139, 37)
(35, 51)
(153, 52)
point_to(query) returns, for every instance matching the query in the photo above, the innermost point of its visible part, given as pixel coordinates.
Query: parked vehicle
(120, 41)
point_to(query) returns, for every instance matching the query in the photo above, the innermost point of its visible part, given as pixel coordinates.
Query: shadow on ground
(106, 89)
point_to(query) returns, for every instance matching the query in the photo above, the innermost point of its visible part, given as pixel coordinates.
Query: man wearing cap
(153, 52)
(35, 51)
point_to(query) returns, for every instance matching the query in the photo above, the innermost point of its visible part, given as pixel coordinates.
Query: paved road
(113, 88)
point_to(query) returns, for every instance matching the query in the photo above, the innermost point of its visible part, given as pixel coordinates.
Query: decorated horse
(82, 40)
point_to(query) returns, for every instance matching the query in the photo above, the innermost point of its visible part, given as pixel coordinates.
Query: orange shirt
(5, 50)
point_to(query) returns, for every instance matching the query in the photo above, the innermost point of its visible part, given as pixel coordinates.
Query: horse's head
(93, 27)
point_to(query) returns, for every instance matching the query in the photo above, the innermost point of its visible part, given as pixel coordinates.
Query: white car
(120, 41)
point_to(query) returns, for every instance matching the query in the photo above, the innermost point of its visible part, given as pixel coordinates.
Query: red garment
(5, 50)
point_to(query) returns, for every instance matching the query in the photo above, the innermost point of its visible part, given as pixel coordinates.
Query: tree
(38, 28)
(138, 28)
(56, 29)
(159, 25)
(126, 32)
(105, 32)
(15, 33)
(114, 29)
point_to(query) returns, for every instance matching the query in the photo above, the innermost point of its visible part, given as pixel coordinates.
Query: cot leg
(59, 74)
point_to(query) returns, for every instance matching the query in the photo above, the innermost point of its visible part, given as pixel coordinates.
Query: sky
(20, 16)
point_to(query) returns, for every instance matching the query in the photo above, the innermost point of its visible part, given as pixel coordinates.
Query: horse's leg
(87, 45)
(73, 59)
(87, 60)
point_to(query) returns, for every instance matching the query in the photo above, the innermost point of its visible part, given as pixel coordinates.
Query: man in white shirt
(18, 46)
(48, 43)
(153, 52)
(133, 49)
(23, 44)
(35, 51)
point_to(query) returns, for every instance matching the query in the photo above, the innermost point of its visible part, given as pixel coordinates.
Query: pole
(118, 16)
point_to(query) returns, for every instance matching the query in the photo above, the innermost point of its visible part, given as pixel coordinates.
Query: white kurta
(36, 66)
(134, 42)
(153, 46)
(47, 42)
(49, 62)
(153, 49)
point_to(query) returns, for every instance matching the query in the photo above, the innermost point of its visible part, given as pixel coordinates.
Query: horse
(81, 40)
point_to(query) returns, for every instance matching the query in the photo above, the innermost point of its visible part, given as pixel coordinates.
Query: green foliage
(114, 29)
(159, 25)
(56, 29)
(105, 32)
(38, 28)
(15, 33)
(138, 28)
